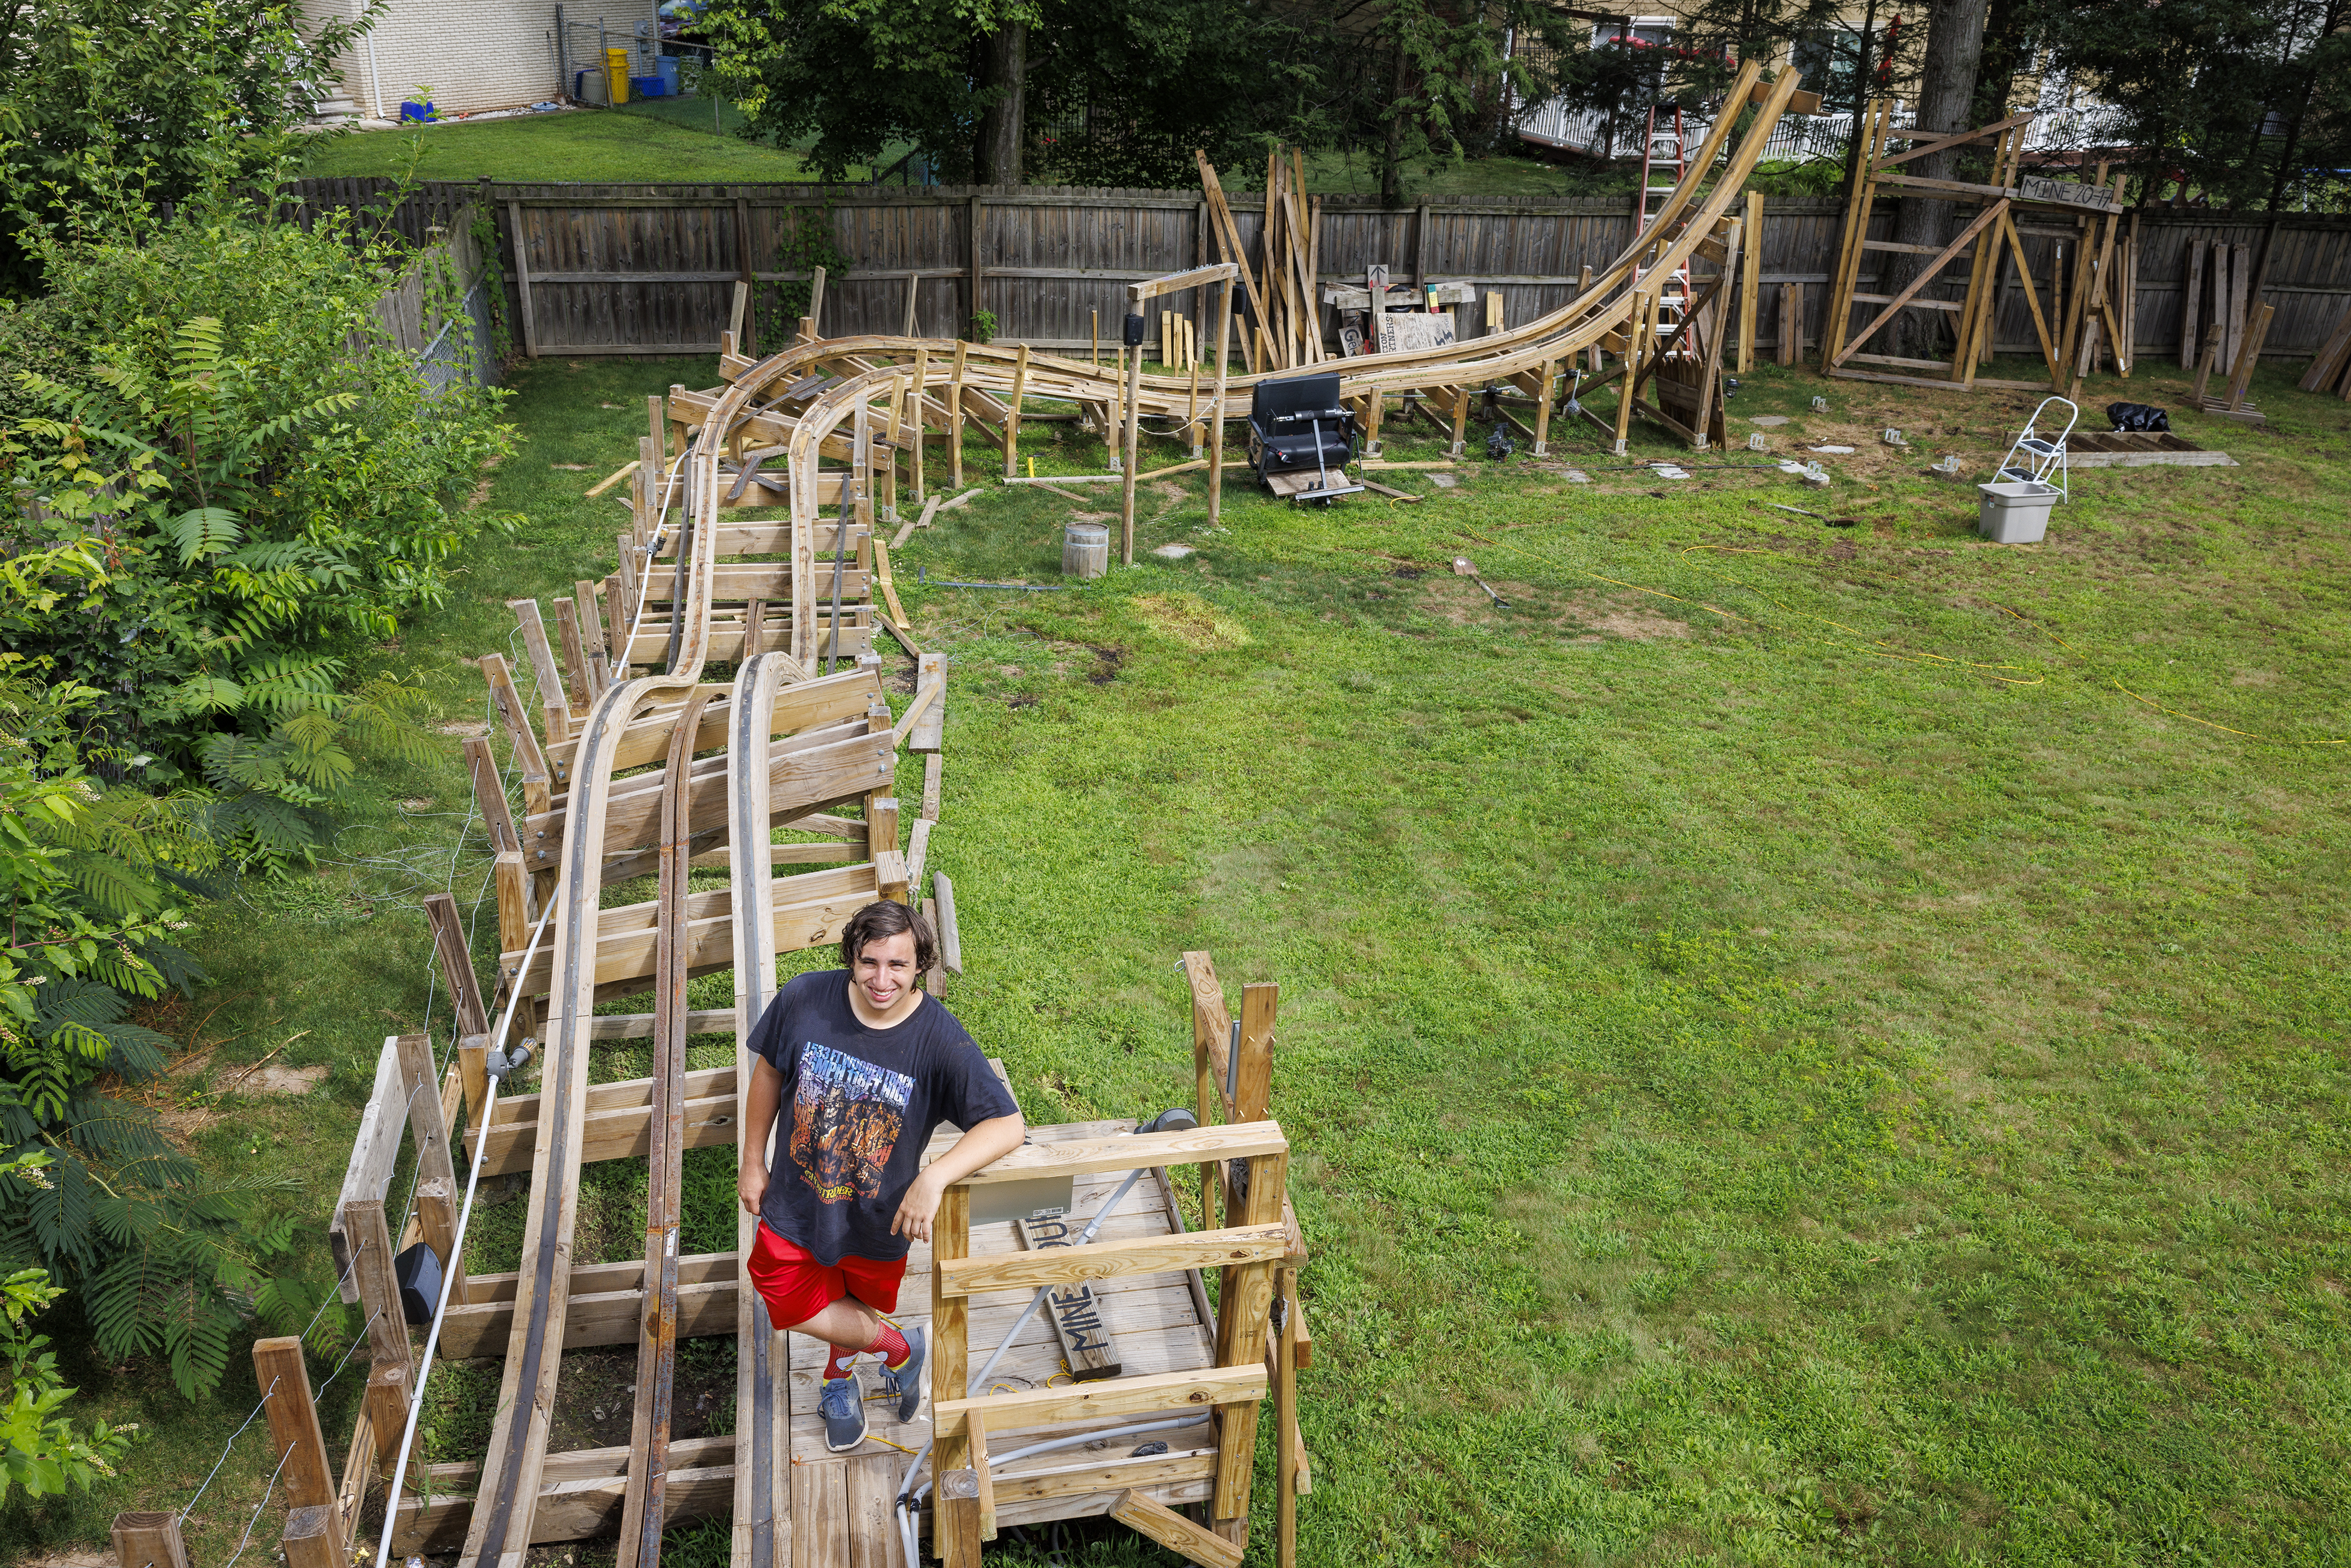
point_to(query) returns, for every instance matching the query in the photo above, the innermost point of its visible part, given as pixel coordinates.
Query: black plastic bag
(2138, 417)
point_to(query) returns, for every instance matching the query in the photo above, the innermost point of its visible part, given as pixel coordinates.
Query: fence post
(148, 1540)
(293, 1421)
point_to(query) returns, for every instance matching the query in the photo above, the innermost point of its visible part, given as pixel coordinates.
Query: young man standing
(872, 1066)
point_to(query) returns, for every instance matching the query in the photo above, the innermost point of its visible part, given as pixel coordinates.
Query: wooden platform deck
(841, 1503)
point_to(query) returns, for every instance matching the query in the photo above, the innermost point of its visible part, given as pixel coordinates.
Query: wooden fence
(651, 268)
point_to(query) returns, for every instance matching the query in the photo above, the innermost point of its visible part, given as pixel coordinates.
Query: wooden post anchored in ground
(294, 1431)
(957, 1520)
(513, 884)
(1012, 413)
(379, 1286)
(921, 418)
(552, 699)
(145, 1539)
(1216, 407)
(436, 1174)
(955, 410)
(313, 1538)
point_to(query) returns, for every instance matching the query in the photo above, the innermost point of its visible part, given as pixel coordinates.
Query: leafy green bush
(131, 103)
(270, 488)
(94, 878)
(39, 1449)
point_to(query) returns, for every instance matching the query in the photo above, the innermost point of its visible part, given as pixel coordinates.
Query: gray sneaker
(842, 1406)
(906, 1381)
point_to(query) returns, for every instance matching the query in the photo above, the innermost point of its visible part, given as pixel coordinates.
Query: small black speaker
(1135, 331)
(418, 1270)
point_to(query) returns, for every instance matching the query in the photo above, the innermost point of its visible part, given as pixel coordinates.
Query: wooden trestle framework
(757, 547)
(2081, 305)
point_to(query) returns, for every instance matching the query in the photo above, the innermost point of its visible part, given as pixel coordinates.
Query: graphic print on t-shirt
(846, 1116)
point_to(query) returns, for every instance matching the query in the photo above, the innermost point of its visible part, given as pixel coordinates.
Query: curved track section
(1603, 316)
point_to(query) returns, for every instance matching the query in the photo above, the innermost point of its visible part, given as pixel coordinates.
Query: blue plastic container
(648, 87)
(667, 65)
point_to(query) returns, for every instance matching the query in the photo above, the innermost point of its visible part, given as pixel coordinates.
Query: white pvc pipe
(457, 1252)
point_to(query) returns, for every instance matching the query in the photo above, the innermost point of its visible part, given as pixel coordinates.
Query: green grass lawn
(1802, 1046)
(677, 139)
(661, 140)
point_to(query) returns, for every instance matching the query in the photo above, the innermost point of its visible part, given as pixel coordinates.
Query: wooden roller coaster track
(788, 741)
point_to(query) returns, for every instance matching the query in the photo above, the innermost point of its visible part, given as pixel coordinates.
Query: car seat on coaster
(1297, 427)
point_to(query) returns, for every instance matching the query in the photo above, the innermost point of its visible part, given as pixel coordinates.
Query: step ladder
(1663, 152)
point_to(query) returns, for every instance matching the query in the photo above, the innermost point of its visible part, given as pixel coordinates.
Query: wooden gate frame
(1841, 347)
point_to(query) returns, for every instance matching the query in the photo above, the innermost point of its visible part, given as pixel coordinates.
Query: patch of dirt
(1093, 517)
(72, 1560)
(464, 727)
(1462, 602)
(1167, 489)
(570, 468)
(276, 1079)
(1191, 621)
(1640, 625)
(595, 1401)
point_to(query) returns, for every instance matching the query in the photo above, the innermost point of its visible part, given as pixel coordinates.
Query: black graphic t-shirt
(859, 1107)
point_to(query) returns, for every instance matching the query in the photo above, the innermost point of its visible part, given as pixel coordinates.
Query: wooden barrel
(1085, 550)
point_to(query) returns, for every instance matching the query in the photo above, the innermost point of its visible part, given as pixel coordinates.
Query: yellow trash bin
(616, 75)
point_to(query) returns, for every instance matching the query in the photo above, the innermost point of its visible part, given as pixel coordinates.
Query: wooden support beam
(529, 760)
(1247, 1300)
(1174, 1532)
(379, 1286)
(955, 1531)
(436, 1176)
(1145, 1396)
(456, 963)
(294, 1435)
(1109, 1259)
(1253, 1083)
(552, 698)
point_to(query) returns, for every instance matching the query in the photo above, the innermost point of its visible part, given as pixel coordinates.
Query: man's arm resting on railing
(983, 1145)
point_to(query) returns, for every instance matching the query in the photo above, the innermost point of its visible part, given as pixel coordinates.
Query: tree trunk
(1947, 90)
(1004, 129)
(1392, 153)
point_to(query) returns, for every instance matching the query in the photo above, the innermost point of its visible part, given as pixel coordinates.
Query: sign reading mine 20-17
(2035, 188)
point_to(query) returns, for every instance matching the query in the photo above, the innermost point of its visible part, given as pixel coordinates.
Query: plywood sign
(1409, 333)
(1077, 1311)
(2035, 188)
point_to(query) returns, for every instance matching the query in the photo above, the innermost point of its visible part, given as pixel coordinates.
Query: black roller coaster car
(1301, 439)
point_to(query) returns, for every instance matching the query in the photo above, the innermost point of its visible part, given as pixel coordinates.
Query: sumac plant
(269, 487)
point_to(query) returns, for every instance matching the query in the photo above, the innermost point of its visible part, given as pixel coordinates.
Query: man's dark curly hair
(886, 917)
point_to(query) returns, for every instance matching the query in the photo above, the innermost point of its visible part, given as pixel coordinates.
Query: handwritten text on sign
(2034, 188)
(1077, 1311)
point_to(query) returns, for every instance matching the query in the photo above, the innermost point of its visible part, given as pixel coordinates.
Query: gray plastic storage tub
(2014, 512)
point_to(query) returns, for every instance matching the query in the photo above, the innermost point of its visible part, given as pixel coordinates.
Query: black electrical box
(1135, 331)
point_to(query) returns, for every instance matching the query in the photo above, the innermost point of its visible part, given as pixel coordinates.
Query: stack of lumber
(2331, 370)
(1287, 316)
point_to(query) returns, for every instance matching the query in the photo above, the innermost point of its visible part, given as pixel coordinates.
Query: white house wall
(473, 54)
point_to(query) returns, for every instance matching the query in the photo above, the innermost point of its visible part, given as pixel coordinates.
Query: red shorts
(797, 1287)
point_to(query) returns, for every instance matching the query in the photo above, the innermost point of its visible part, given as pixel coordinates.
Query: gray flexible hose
(909, 1502)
